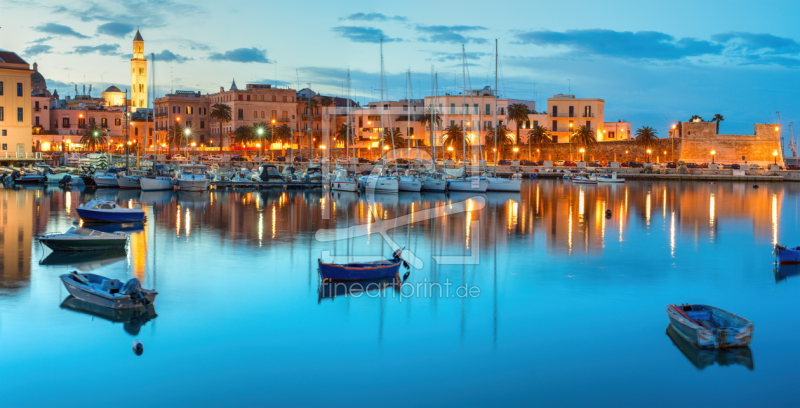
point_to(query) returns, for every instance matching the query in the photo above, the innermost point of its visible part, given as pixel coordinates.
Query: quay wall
(700, 138)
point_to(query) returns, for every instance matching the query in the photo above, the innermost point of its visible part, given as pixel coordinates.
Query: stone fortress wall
(700, 138)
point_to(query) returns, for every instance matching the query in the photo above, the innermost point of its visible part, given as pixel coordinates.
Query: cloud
(102, 49)
(242, 55)
(147, 13)
(788, 62)
(626, 44)
(196, 46)
(58, 29)
(455, 56)
(168, 56)
(372, 17)
(752, 42)
(41, 40)
(115, 29)
(38, 49)
(363, 34)
(449, 34)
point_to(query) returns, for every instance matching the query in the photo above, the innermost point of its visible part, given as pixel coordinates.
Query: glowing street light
(516, 149)
(775, 155)
(713, 153)
(583, 156)
(648, 155)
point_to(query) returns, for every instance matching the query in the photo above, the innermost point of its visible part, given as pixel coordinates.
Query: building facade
(15, 106)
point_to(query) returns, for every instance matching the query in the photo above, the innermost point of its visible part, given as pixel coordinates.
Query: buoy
(138, 347)
(755, 185)
(608, 212)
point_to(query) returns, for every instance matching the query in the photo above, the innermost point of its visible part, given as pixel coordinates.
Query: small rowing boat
(110, 293)
(361, 270)
(787, 255)
(583, 180)
(710, 327)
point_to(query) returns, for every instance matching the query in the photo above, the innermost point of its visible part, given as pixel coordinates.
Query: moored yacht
(193, 177)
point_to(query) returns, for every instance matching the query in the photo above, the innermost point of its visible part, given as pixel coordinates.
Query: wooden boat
(109, 211)
(787, 255)
(583, 180)
(709, 326)
(703, 357)
(110, 293)
(84, 239)
(361, 270)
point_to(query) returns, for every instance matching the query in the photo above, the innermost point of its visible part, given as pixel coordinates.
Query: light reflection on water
(569, 297)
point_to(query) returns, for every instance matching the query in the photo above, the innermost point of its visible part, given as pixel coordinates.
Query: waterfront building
(699, 142)
(187, 108)
(15, 107)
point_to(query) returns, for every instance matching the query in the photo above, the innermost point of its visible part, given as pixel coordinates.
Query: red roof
(11, 58)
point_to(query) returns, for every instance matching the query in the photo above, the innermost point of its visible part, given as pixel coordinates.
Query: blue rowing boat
(361, 270)
(109, 211)
(787, 255)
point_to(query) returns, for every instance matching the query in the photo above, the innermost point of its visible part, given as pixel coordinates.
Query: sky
(653, 64)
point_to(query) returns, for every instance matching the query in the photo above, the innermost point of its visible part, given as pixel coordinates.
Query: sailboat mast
(495, 108)
(153, 90)
(380, 108)
(463, 105)
(436, 107)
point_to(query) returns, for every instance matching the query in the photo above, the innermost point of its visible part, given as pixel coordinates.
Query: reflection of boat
(702, 358)
(502, 198)
(114, 227)
(155, 197)
(784, 271)
(109, 211)
(361, 270)
(84, 261)
(84, 239)
(709, 326)
(330, 290)
(787, 255)
(132, 319)
(107, 292)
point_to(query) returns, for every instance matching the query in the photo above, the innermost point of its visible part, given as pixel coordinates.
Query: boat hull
(193, 185)
(351, 273)
(434, 185)
(156, 184)
(104, 300)
(109, 216)
(387, 185)
(129, 182)
(727, 336)
(503, 184)
(103, 181)
(787, 256)
(78, 244)
(409, 184)
(469, 185)
(338, 185)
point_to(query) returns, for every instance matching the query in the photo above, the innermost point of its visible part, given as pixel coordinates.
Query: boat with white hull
(343, 182)
(409, 183)
(128, 182)
(157, 183)
(513, 184)
(110, 293)
(434, 184)
(193, 178)
(381, 184)
(84, 239)
(471, 184)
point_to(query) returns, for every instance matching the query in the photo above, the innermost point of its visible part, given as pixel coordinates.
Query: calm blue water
(570, 310)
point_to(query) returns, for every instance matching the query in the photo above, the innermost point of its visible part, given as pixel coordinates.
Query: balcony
(588, 115)
(562, 115)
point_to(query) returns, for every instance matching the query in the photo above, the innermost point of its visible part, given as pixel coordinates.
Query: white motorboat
(106, 292)
(313, 174)
(612, 180)
(513, 184)
(83, 239)
(157, 183)
(193, 177)
(567, 175)
(583, 180)
(223, 174)
(129, 182)
(380, 184)
(107, 178)
(343, 182)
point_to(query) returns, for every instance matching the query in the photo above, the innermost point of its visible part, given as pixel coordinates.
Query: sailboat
(341, 177)
(407, 182)
(434, 181)
(460, 181)
(379, 181)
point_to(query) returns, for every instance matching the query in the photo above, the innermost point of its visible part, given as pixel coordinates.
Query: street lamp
(450, 149)
(775, 155)
(187, 132)
(648, 155)
(583, 156)
(516, 149)
(713, 153)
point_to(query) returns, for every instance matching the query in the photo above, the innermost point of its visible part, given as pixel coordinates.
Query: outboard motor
(65, 180)
(133, 289)
(15, 175)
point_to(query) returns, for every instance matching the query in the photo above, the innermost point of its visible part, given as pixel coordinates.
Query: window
(1, 88)
(188, 124)
(488, 110)
(475, 107)
(2, 114)
(555, 111)
(589, 124)
(611, 135)
(141, 71)
(202, 124)
(5, 134)
(189, 110)
(502, 111)
(587, 111)
(262, 98)
(81, 123)
(274, 98)
(527, 124)
(65, 122)
(104, 122)
(405, 108)
(284, 98)
(141, 103)
(274, 115)
(5, 146)
(452, 109)
(555, 125)
(452, 123)
(555, 139)
(285, 115)
(19, 115)
(141, 87)
(136, 131)
(37, 121)
(241, 97)
(91, 121)
(572, 111)
(535, 124)
(241, 112)
(255, 114)
(248, 97)
(116, 122)
(19, 88)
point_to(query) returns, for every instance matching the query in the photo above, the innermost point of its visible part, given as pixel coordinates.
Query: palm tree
(646, 137)
(174, 135)
(282, 134)
(503, 138)
(222, 113)
(243, 135)
(395, 138)
(425, 119)
(454, 137)
(696, 118)
(584, 137)
(717, 118)
(342, 135)
(518, 112)
(93, 136)
(538, 136)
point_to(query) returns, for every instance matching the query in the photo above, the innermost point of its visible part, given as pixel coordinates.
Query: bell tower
(138, 74)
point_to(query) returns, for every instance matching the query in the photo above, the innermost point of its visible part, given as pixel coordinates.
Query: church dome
(112, 88)
(38, 83)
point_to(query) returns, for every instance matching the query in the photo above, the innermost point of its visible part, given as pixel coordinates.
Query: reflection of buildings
(16, 220)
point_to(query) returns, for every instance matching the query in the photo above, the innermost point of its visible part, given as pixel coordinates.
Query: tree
(262, 133)
(92, 137)
(538, 136)
(696, 118)
(646, 137)
(717, 118)
(454, 137)
(503, 138)
(584, 137)
(243, 135)
(395, 138)
(222, 114)
(282, 134)
(425, 119)
(174, 136)
(518, 112)
(343, 135)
